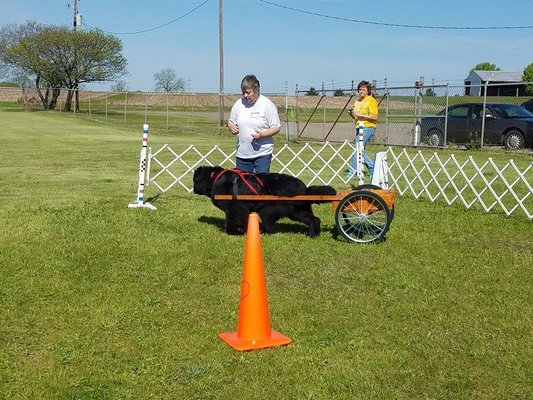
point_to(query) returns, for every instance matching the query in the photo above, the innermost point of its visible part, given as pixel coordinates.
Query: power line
(159, 26)
(358, 21)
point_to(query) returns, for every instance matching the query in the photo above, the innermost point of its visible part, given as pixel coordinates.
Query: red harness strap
(243, 176)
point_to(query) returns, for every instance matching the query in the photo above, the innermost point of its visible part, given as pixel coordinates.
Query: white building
(499, 83)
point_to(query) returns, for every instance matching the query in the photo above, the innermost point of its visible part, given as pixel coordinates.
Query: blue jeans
(368, 133)
(258, 165)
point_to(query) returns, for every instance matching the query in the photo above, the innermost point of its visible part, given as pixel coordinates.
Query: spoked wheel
(366, 186)
(513, 140)
(362, 217)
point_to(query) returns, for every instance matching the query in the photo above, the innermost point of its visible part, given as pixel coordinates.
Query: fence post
(446, 115)
(146, 108)
(419, 99)
(484, 116)
(386, 111)
(297, 92)
(287, 111)
(323, 111)
(125, 107)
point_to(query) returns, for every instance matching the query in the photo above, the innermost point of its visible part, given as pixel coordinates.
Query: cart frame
(362, 215)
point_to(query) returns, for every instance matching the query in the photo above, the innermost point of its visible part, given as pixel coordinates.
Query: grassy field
(104, 302)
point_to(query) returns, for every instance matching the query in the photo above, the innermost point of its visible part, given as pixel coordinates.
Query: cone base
(275, 339)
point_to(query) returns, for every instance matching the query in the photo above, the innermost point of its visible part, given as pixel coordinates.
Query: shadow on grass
(218, 222)
(281, 227)
(153, 199)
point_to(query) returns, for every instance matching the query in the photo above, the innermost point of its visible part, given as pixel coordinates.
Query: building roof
(499, 76)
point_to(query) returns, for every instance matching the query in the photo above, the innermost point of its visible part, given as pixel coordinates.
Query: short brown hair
(250, 82)
(367, 85)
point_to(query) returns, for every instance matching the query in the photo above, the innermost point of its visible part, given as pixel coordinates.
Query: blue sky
(299, 47)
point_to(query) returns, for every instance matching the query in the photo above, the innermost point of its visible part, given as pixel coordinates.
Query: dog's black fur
(209, 181)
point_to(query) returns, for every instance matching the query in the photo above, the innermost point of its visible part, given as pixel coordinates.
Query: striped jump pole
(360, 148)
(142, 173)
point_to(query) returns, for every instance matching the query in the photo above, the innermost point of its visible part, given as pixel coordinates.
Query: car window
(511, 111)
(459, 112)
(528, 105)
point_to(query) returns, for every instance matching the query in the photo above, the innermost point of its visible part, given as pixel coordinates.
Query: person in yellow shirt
(365, 110)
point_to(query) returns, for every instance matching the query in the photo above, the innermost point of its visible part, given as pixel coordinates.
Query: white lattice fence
(450, 180)
(468, 181)
(314, 164)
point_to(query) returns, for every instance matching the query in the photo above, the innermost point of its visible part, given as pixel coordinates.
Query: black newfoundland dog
(209, 181)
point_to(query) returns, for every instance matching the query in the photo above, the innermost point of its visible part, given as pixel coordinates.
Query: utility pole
(75, 20)
(221, 52)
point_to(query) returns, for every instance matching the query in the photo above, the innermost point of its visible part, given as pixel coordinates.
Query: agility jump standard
(143, 166)
(360, 148)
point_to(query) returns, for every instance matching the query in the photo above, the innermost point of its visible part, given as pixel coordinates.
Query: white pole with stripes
(360, 148)
(142, 173)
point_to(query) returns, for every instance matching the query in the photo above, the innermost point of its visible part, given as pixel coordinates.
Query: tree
(312, 92)
(23, 57)
(9, 36)
(528, 77)
(98, 58)
(166, 81)
(338, 93)
(58, 57)
(430, 92)
(119, 86)
(485, 66)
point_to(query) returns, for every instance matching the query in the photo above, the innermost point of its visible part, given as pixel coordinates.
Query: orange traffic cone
(253, 326)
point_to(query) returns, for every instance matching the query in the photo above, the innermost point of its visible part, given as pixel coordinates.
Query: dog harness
(242, 175)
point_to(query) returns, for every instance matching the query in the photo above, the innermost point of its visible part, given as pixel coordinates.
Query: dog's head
(203, 179)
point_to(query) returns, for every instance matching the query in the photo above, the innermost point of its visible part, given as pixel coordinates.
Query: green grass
(104, 302)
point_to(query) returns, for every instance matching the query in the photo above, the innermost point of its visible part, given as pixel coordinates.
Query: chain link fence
(408, 115)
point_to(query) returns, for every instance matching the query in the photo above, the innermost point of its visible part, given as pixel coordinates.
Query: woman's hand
(234, 128)
(257, 135)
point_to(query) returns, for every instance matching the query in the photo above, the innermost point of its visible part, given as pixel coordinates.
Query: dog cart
(362, 215)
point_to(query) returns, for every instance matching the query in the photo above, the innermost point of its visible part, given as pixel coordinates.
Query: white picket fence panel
(488, 185)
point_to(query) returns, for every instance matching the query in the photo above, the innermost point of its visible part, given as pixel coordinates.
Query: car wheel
(513, 140)
(434, 138)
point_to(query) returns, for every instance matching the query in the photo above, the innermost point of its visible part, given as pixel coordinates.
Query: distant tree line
(313, 92)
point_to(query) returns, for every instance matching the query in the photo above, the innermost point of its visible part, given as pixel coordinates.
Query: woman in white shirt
(254, 119)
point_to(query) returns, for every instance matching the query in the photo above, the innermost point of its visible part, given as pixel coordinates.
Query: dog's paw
(235, 230)
(312, 234)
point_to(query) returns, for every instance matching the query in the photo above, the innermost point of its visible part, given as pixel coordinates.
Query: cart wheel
(362, 217)
(367, 186)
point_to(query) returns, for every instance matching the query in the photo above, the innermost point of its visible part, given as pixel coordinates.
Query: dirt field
(190, 99)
